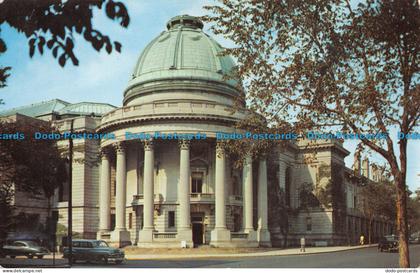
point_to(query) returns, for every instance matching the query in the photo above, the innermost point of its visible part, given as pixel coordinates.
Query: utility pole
(70, 203)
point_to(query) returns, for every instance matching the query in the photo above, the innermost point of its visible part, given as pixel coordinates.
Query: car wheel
(40, 256)
(12, 257)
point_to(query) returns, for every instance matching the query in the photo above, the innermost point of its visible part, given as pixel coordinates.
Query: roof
(182, 52)
(37, 109)
(87, 108)
(60, 107)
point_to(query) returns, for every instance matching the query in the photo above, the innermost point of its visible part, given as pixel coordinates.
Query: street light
(70, 204)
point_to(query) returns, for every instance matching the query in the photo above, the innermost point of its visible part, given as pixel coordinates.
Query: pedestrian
(302, 244)
(362, 239)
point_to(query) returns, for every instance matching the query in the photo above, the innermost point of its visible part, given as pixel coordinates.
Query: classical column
(220, 235)
(120, 234)
(263, 235)
(121, 187)
(247, 195)
(146, 234)
(184, 223)
(105, 194)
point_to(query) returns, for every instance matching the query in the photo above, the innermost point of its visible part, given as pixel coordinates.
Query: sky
(102, 78)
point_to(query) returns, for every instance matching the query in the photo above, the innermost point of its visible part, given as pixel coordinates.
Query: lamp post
(70, 204)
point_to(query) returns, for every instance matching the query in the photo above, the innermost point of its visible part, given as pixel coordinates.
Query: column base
(252, 237)
(220, 237)
(120, 238)
(103, 235)
(146, 236)
(263, 237)
(185, 236)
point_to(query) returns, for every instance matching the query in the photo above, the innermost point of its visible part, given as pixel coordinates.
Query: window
(308, 224)
(130, 220)
(287, 186)
(112, 221)
(236, 186)
(171, 219)
(197, 182)
(237, 222)
(115, 187)
(354, 201)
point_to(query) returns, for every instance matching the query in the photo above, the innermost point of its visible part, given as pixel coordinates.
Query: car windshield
(101, 244)
(391, 238)
(31, 244)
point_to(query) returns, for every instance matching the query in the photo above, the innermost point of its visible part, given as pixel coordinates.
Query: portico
(211, 201)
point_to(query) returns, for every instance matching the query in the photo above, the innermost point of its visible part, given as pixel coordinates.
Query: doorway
(197, 230)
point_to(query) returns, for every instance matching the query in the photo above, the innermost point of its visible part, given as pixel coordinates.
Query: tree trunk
(402, 224)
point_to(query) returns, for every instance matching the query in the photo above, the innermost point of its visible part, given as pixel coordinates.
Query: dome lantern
(184, 21)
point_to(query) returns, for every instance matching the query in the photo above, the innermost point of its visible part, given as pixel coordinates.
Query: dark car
(388, 243)
(94, 250)
(29, 249)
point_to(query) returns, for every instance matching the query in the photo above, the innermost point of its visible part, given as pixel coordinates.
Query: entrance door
(197, 230)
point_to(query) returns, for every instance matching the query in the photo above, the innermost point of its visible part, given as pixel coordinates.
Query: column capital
(184, 144)
(105, 152)
(220, 148)
(263, 156)
(148, 145)
(120, 147)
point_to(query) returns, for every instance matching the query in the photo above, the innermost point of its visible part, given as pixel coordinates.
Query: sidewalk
(230, 253)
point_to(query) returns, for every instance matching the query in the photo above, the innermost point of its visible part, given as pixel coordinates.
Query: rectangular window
(171, 219)
(112, 221)
(197, 182)
(237, 222)
(130, 220)
(308, 224)
(115, 186)
(354, 202)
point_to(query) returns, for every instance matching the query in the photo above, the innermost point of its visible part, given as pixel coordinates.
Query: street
(359, 258)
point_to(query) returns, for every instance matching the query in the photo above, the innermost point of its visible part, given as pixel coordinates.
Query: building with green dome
(164, 180)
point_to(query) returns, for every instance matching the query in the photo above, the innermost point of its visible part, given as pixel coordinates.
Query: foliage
(6, 209)
(332, 65)
(307, 197)
(51, 25)
(413, 207)
(377, 199)
(279, 213)
(28, 165)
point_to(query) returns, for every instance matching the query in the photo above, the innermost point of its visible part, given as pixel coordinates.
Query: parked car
(388, 243)
(94, 250)
(414, 238)
(29, 249)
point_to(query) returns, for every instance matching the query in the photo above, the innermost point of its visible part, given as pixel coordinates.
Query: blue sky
(101, 77)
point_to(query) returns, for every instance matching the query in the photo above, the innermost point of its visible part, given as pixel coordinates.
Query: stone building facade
(165, 192)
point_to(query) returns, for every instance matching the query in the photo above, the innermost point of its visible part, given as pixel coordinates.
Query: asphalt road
(359, 258)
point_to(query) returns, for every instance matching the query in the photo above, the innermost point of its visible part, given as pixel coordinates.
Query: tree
(413, 207)
(377, 199)
(332, 65)
(29, 165)
(51, 25)
(278, 211)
